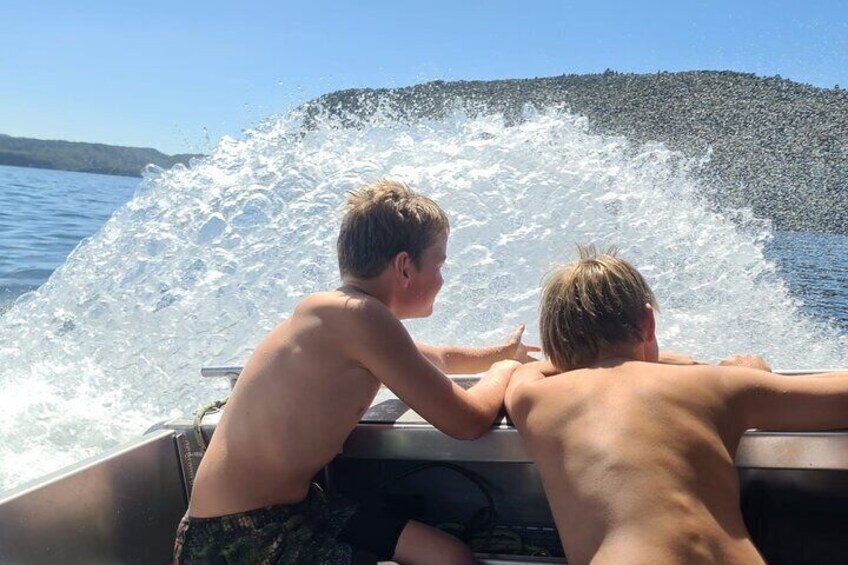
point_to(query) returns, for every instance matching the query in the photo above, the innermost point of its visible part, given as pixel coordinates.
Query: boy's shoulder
(329, 300)
(319, 300)
(341, 306)
(705, 384)
(360, 325)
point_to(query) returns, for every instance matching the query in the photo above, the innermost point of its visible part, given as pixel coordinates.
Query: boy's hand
(667, 358)
(518, 350)
(750, 361)
(507, 365)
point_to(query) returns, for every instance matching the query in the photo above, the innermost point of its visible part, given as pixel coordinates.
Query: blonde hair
(382, 219)
(590, 305)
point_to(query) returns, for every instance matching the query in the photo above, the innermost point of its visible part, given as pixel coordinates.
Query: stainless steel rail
(759, 450)
(233, 371)
(389, 430)
(224, 371)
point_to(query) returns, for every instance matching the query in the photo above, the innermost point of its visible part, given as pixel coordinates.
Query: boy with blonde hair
(308, 383)
(636, 457)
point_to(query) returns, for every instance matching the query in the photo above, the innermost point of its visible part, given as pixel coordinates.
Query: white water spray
(204, 261)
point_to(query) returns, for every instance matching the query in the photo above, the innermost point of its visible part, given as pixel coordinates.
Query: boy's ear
(400, 266)
(649, 324)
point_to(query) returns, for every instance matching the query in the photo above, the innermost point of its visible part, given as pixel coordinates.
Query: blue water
(815, 267)
(44, 214)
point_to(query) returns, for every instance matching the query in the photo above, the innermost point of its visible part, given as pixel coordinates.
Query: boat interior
(123, 506)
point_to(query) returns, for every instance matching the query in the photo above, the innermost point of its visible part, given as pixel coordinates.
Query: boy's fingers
(533, 348)
(752, 361)
(516, 335)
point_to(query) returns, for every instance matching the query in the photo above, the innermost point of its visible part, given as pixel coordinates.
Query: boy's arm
(668, 358)
(751, 361)
(531, 372)
(790, 403)
(383, 346)
(455, 360)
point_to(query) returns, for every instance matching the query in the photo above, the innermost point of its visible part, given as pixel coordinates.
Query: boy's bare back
(636, 460)
(307, 385)
(636, 457)
(297, 399)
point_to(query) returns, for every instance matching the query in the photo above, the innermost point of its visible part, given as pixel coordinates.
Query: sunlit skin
(636, 458)
(309, 382)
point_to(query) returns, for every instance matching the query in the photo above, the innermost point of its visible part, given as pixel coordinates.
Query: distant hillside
(83, 157)
(777, 146)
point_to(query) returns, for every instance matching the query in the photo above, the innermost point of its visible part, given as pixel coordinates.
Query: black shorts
(374, 528)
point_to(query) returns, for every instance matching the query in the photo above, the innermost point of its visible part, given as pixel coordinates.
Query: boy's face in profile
(426, 278)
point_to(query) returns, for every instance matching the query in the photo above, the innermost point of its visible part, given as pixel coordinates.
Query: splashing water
(202, 262)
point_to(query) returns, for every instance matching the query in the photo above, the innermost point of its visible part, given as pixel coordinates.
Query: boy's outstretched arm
(383, 346)
(669, 358)
(456, 360)
(768, 401)
(752, 361)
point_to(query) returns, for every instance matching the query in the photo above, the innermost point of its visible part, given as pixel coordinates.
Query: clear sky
(178, 74)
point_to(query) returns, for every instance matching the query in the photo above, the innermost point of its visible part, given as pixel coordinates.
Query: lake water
(44, 215)
(153, 279)
(815, 266)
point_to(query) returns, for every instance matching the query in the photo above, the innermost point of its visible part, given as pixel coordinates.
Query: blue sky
(178, 75)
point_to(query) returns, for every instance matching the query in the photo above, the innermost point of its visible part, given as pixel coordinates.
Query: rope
(201, 413)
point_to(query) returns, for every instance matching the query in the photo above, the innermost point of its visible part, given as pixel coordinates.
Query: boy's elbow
(512, 395)
(468, 434)
(473, 428)
(464, 435)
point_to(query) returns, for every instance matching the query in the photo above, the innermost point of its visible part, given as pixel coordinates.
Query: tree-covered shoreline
(83, 157)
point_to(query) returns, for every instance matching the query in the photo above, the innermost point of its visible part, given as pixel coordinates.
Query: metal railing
(232, 372)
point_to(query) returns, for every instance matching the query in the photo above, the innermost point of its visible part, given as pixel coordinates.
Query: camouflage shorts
(303, 533)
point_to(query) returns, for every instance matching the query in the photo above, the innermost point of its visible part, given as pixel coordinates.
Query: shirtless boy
(636, 458)
(308, 383)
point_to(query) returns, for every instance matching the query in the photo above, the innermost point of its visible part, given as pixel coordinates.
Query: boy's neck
(615, 355)
(377, 288)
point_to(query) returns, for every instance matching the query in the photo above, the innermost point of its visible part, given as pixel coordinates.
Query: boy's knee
(422, 544)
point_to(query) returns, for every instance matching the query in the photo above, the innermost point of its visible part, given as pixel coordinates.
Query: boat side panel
(122, 507)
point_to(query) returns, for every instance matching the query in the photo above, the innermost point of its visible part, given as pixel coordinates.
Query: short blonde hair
(590, 305)
(382, 219)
